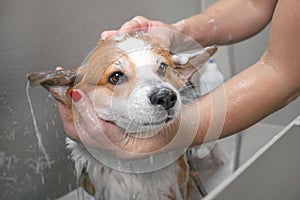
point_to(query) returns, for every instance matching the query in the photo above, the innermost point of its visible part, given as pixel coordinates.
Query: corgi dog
(135, 83)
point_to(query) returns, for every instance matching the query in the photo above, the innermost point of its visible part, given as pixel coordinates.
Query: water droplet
(119, 164)
(42, 179)
(47, 126)
(151, 159)
(36, 128)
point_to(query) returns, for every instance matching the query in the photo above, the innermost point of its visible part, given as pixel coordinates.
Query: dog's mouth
(160, 122)
(139, 124)
(107, 121)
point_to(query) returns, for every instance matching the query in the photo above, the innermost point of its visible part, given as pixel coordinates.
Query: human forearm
(228, 21)
(265, 87)
(250, 96)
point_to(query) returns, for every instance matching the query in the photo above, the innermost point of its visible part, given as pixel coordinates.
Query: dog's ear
(187, 63)
(58, 83)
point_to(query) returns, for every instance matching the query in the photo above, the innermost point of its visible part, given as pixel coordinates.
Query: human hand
(88, 127)
(171, 35)
(139, 23)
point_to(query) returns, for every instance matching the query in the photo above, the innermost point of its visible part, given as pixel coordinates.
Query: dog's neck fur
(111, 184)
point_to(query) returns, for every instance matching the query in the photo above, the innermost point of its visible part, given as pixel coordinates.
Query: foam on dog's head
(119, 48)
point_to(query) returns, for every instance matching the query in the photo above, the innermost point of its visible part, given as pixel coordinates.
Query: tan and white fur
(135, 83)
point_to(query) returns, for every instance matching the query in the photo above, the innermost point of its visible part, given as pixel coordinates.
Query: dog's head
(132, 81)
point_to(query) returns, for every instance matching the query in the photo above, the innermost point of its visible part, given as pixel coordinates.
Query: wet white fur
(130, 44)
(111, 184)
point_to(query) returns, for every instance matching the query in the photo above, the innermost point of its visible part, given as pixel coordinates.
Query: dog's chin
(133, 126)
(144, 127)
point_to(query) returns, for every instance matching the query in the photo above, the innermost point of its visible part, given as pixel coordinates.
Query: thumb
(85, 109)
(96, 128)
(107, 34)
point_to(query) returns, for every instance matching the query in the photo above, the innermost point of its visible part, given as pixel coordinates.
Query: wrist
(180, 26)
(191, 29)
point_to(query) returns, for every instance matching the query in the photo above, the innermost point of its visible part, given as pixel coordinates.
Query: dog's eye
(117, 78)
(161, 71)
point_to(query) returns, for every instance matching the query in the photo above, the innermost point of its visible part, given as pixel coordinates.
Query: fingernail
(75, 95)
(58, 68)
(103, 35)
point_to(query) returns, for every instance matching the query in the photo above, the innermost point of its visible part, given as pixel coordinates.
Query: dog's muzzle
(164, 97)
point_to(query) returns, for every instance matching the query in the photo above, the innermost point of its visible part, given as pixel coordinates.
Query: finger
(137, 23)
(59, 68)
(86, 139)
(104, 132)
(69, 126)
(107, 34)
(85, 108)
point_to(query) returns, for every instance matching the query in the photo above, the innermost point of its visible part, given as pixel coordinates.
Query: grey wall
(38, 35)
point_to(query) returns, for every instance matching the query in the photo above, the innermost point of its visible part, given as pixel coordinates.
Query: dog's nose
(163, 96)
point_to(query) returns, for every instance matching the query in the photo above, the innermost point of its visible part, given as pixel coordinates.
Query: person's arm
(268, 85)
(225, 22)
(228, 21)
